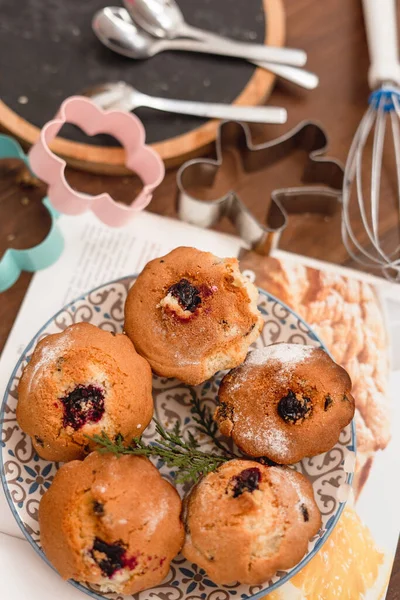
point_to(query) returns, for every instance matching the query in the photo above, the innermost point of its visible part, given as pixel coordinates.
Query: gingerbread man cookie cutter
(321, 192)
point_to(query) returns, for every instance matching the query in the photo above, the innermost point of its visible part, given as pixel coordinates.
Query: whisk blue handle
(383, 98)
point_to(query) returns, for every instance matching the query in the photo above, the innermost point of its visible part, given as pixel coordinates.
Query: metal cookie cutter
(37, 257)
(322, 194)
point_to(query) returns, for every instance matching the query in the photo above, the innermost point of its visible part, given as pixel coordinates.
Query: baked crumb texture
(113, 522)
(285, 402)
(191, 314)
(246, 521)
(81, 382)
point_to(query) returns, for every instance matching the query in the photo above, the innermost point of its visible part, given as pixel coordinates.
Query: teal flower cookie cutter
(37, 257)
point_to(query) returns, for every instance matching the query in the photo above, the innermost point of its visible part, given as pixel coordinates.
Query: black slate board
(48, 52)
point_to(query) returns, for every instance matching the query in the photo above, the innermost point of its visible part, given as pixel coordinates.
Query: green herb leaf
(170, 448)
(202, 415)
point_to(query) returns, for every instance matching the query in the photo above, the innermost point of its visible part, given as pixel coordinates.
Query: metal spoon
(164, 19)
(121, 96)
(112, 21)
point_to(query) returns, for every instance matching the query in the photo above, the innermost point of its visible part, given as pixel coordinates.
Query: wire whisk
(384, 107)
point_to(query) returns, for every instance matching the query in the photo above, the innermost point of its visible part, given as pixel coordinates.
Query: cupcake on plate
(245, 521)
(111, 521)
(191, 314)
(285, 402)
(79, 383)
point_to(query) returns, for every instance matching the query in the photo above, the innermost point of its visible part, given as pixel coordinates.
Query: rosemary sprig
(170, 447)
(202, 415)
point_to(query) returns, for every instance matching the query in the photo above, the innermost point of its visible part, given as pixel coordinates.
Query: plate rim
(258, 595)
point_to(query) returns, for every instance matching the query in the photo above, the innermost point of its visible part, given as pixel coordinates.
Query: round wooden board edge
(174, 151)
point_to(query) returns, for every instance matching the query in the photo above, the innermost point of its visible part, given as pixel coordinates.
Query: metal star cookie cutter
(321, 194)
(37, 257)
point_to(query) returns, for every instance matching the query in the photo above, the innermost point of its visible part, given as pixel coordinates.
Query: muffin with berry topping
(191, 314)
(111, 521)
(285, 402)
(245, 521)
(81, 382)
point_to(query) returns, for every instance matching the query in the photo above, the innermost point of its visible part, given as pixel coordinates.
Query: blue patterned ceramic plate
(26, 477)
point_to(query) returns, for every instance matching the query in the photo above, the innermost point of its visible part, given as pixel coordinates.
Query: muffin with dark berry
(81, 382)
(246, 521)
(285, 402)
(191, 314)
(111, 521)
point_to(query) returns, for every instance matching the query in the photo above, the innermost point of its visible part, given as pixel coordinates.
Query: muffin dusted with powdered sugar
(79, 383)
(111, 521)
(285, 402)
(191, 314)
(246, 521)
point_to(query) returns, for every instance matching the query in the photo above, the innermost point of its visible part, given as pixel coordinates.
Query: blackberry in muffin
(191, 314)
(285, 402)
(113, 522)
(81, 382)
(245, 521)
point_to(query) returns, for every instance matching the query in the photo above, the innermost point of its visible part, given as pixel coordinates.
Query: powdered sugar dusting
(158, 516)
(288, 354)
(276, 439)
(278, 442)
(296, 486)
(48, 355)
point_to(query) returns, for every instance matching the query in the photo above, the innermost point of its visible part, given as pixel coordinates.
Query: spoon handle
(286, 56)
(302, 77)
(251, 114)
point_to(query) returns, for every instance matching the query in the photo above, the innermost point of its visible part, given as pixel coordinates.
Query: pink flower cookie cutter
(140, 158)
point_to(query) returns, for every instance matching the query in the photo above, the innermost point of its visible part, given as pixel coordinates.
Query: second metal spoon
(122, 96)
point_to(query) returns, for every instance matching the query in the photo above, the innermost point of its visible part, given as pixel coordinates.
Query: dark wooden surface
(333, 35)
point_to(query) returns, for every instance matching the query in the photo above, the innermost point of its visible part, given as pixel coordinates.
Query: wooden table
(333, 35)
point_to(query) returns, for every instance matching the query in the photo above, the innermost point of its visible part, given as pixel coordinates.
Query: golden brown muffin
(81, 382)
(191, 314)
(285, 402)
(346, 313)
(110, 521)
(246, 521)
